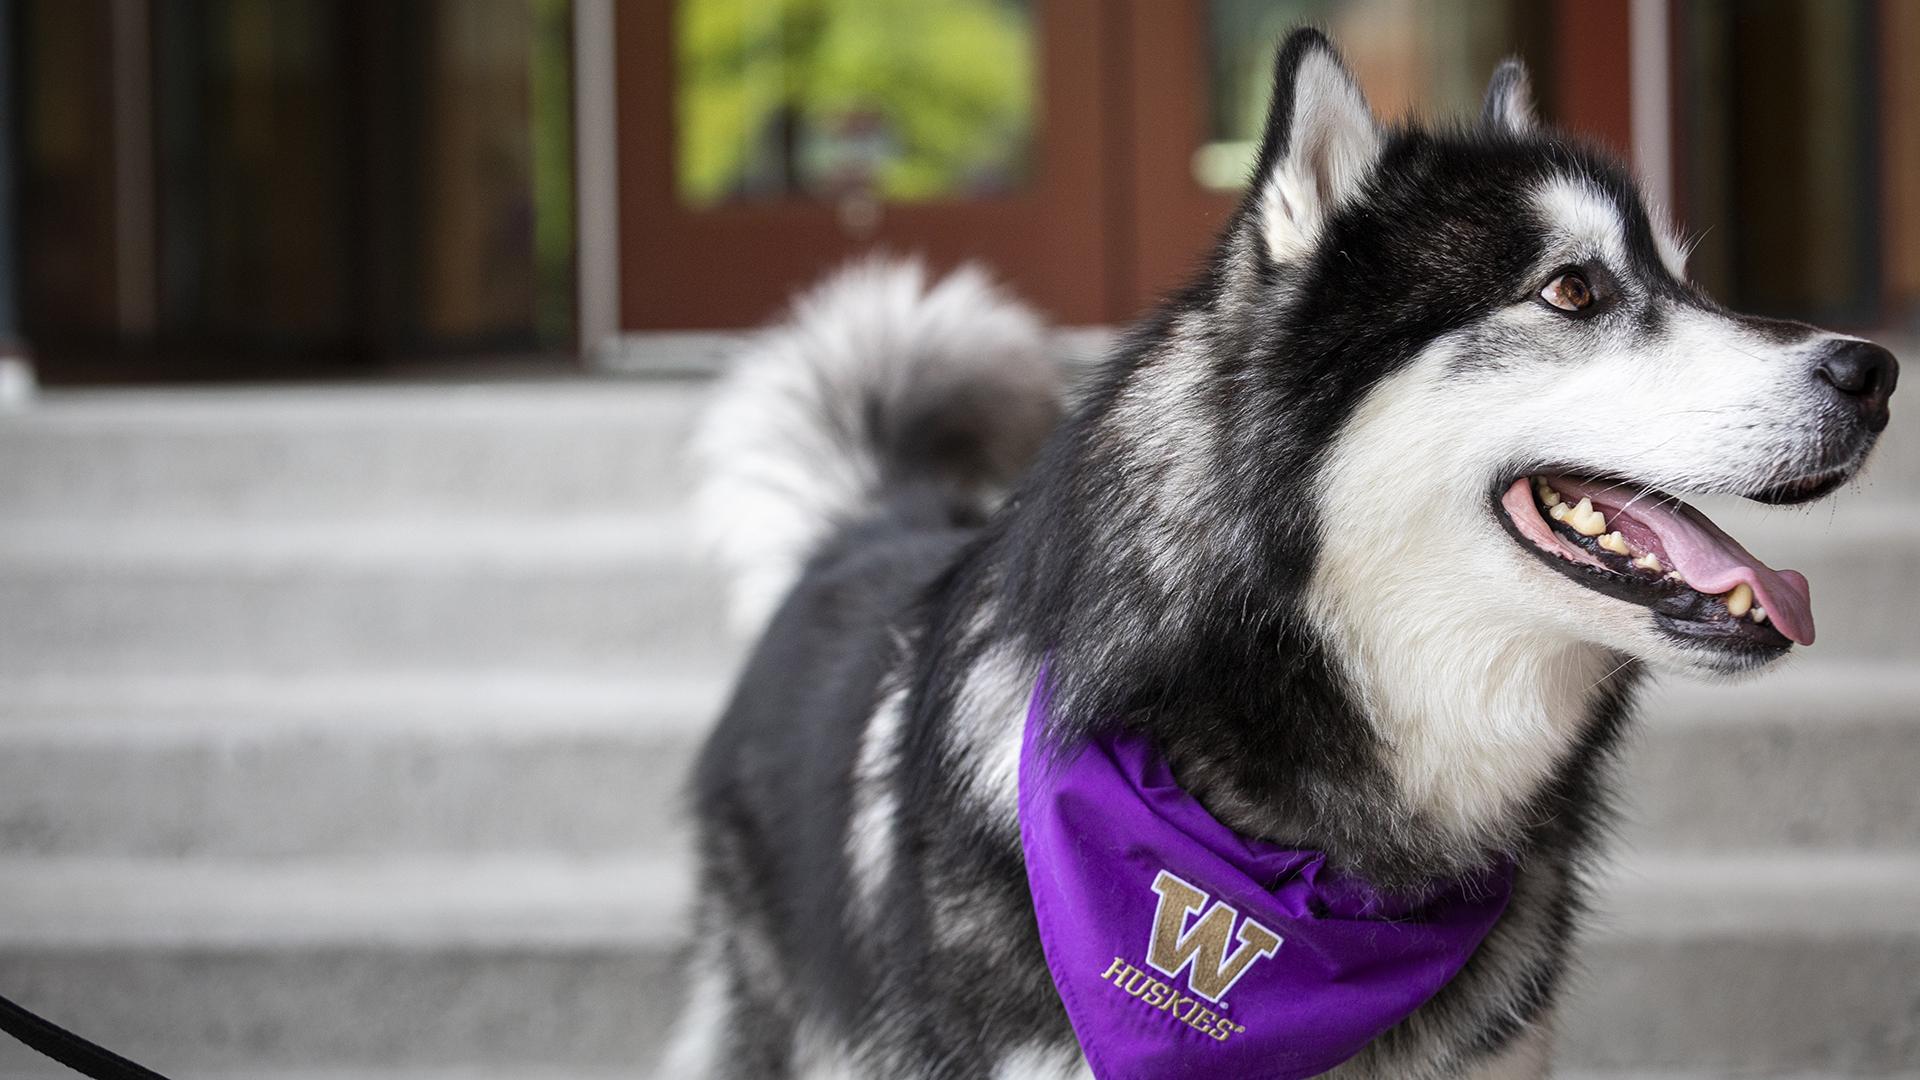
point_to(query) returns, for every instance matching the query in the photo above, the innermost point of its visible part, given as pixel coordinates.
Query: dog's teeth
(1649, 561)
(1740, 600)
(1615, 543)
(1586, 520)
(1559, 511)
(1548, 496)
(1758, 614)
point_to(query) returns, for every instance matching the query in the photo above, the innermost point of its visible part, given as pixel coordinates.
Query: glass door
(763, 142)
(1203, 69)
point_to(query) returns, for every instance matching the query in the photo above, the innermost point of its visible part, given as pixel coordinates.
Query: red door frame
(1174, 220)
(1593, 73)
(1112, 221)
(737, 265)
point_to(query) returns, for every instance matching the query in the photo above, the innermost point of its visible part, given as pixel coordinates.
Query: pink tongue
(1710, 560)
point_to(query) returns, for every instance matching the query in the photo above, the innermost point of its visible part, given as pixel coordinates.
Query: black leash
(69, 1049)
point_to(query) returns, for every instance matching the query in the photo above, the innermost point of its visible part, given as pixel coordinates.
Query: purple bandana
(1182, 949)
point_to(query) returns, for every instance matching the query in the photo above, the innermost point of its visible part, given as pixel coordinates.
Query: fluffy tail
(876, 383)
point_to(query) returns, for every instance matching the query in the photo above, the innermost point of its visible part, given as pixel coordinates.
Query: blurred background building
(249, 188)
(345, 693)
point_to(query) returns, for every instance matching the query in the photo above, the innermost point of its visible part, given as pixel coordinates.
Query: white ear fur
(1509, 103)
(1328, 147)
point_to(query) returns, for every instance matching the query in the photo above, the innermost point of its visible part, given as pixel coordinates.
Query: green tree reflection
(906, 99)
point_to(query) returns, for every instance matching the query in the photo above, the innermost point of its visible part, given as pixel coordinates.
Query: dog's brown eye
(1568, 292)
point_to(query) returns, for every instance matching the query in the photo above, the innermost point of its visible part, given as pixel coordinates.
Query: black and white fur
(1263, 535)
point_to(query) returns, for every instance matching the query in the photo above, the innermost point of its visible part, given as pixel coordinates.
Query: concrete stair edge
(91, 902)
(403, 704)
(1800, 695)
(413, 901)
(452, 761)
(274, 406)
(430, 967)
(550, 539)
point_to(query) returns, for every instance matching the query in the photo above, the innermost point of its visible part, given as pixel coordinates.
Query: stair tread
(1807, 695)
(350, 405)
(473, 1072)
(1684, 1074)
(1879, 522)
(457, 703)
(413, 901)
(160, 490)
(331, 453)
(639, 900)
(1803, 690)
(421, 544)
(1674, 895)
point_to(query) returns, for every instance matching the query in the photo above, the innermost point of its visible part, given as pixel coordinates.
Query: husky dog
(1372, 529)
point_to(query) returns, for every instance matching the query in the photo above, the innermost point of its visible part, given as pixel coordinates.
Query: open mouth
(1649, 548)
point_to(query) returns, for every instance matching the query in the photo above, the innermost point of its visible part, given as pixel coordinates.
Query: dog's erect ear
(1321, 143)
(1509, 105)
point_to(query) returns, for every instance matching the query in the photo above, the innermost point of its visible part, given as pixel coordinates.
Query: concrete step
(556, 445)
(470, 1072)
(1754, 964)
(1723, 966)
(477, 764)
(548, 446)
(1815, 756)
(519, 447)
(617, 592)
(615, 589)
(192, 966)
(482, 1072)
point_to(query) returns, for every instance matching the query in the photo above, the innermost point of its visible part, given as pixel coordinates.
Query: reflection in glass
(1425, 57)
(903, 100)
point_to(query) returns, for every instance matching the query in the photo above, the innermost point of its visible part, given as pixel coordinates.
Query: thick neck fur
(1168, 557)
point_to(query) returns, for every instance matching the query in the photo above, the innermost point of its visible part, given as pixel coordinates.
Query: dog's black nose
(1864, 374)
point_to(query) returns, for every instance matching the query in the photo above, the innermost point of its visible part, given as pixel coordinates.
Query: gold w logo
(1203, 946)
